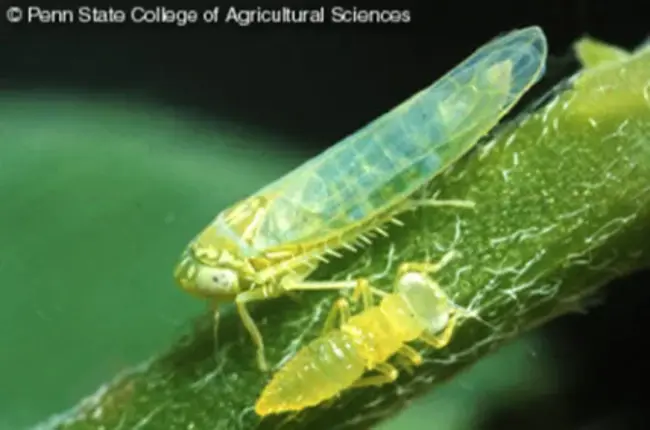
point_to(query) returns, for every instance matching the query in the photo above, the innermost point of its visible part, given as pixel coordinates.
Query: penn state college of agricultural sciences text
(219, 14)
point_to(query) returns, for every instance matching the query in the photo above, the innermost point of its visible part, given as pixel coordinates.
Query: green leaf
(563, 206)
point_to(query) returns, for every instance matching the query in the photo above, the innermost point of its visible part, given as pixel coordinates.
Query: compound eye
(216, 281)
(224, 278)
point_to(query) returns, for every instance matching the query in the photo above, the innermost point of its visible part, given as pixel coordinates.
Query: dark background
(316, 83)
(293, 78)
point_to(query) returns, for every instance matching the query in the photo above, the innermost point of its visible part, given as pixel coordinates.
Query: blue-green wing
(402, 150)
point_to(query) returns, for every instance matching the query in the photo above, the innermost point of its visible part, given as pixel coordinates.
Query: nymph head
(426, 299)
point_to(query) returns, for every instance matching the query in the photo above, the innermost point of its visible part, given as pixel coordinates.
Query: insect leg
(441, 340)
(408, 357)
(362, 288)
(341, 311)
(341, 308)
(466, 204)
(387, 374)
(297, 284)
(241, 300)
(215, 326)
(426, 267)
(410, 354)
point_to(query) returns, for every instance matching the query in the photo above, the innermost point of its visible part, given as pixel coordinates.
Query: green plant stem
(562, 207)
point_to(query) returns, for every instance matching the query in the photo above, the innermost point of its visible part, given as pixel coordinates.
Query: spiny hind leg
(440, 340)
(387, 374)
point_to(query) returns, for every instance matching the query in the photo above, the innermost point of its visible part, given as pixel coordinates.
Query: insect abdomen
(318, 372)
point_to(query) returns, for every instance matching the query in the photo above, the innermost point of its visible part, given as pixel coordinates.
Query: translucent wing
(399, 152)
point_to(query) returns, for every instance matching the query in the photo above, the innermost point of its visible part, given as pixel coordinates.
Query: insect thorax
(399, 313)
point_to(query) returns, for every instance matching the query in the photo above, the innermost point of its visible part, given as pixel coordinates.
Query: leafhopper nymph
(417, 308)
